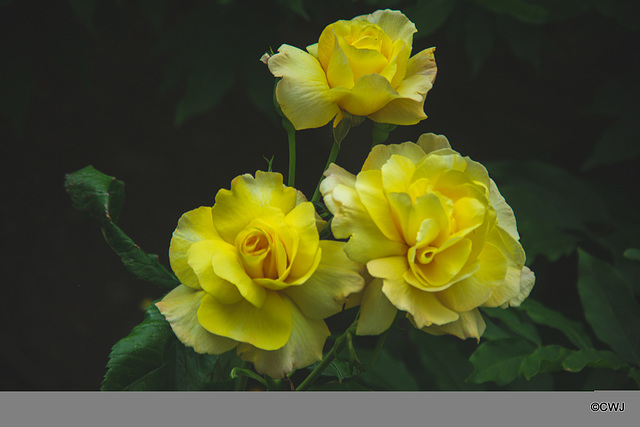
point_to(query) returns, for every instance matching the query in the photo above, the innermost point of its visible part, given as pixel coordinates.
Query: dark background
(120, 85)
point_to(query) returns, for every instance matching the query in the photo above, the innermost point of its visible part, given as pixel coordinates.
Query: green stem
(332, 158)
(241, 381)
(341, 341)
(291, 137)
(381, 133)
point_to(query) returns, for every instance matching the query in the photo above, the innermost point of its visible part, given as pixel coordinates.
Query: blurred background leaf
(610, 307)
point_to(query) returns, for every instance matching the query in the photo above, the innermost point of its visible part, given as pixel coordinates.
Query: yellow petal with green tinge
(376, 311)
(180, 307)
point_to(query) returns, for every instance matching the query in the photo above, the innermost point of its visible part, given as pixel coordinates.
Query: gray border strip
(352, 409)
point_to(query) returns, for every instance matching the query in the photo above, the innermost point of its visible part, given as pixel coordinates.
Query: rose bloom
(437, 237)
(256, 277)
(362, 66)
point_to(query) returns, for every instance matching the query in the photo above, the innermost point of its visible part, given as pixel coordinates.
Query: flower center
(261, 253)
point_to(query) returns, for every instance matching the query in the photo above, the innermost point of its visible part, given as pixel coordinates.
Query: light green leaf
(542, 315)
(429, 15)
(515, 321)
(609, 306)
(544, 359)
(499, 361)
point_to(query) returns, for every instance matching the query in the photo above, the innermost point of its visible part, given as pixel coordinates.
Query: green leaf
(549, 204)
(296, 6)
(625, 12)
(544, 359)
(444, 360)
(499, 361)
(618, 94)
(526, 12)
(542, 315)
(100, 197)
(632, 254)
(429, 15)
(136, 358)
(578, 360)
(609, 307)
(152, 358)
(525, 40)
(515, 321)
(387, 373)
(95, 194)
(618, 143)
(208, 81)
(480, 36)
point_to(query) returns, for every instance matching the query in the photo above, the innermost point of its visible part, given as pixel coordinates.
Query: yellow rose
(435, 234)
(256, 277)
(362, 66)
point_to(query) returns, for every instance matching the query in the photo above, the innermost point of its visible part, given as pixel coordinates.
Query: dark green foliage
(610, 307)
(152, 358)
(100, 197)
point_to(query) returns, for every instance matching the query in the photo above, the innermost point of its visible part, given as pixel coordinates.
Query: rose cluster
(425, 230)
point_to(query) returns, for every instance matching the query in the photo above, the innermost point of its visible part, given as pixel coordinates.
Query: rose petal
(376, 311)
(267, 327)
(336, 277)
(193, 226)
(303, 347)
(303, 93)
(180, 307)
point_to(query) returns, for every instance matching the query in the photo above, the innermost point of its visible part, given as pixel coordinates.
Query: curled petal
(469, 325)
(303, 93)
